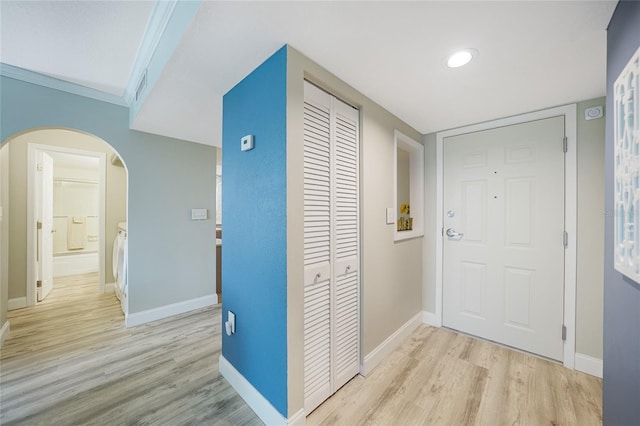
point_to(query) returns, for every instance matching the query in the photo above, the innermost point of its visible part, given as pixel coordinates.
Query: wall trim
(143, 317)
(4, 332)
(588, 364)
(431, 319)
(571, 206)
(111, 288)
(258, 403)
(16, 303)
(57, 84)
(373, 358)
(298, 419)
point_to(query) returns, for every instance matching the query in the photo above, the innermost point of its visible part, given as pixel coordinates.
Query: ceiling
(532, 54)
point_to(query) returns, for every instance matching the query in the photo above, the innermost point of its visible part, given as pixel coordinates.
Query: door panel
(504, 275)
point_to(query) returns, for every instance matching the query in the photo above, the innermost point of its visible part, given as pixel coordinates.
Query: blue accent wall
(254, 223)
(621, 375)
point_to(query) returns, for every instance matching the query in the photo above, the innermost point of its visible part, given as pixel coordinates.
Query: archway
(95, 234)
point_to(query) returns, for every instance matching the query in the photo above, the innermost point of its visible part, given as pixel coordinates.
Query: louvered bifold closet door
(346, 320)
(317, 247)
(331, 245)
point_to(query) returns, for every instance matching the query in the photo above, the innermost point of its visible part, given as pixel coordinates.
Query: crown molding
(54, 83)
(160, 16)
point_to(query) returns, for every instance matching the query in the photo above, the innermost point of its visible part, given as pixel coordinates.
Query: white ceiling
(532, 54)
(91, 43)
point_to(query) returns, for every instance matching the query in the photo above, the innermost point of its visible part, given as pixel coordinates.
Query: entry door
(504, 235)
(45, 224)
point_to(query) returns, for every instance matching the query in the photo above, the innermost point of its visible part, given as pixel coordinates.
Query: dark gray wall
(621, 388)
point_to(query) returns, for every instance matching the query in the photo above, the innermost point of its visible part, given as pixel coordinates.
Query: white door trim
(32, 156)
(571, 214)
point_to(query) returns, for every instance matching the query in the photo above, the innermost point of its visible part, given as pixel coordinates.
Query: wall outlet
(230, 324)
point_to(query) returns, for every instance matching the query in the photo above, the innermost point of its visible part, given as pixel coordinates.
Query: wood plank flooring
(70, 361)
(440, 377)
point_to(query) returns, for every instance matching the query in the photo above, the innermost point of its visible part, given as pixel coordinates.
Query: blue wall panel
(254, 223)
(621, 384)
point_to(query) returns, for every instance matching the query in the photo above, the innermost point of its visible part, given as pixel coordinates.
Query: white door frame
(32, 161)
(570, 212)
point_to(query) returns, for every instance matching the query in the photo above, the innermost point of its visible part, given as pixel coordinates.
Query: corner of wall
(255, 229)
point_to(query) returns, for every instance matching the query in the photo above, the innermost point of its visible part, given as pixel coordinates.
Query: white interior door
(45, 224)
(503, 272)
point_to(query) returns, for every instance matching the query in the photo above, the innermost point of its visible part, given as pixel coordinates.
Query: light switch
(391, 219)
(199, 214)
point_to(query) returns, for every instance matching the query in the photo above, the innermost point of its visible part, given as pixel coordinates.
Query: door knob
(452, 233)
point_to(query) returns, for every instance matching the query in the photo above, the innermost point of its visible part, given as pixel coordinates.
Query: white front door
(504, 235)
(45, 224)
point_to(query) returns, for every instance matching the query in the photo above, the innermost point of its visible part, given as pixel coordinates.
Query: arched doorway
(88, 193)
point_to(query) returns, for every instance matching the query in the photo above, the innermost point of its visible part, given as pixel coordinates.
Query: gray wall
(171, 258)
(621, 380)
(115, 207)
(590, 254)
(590, 230)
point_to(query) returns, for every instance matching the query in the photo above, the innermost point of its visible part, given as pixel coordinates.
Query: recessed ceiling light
(461, 57)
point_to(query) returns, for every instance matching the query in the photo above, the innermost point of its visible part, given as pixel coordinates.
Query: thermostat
(593, 113)
(246, 143)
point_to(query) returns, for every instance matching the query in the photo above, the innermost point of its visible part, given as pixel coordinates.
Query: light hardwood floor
(440, 377)
(70, 361)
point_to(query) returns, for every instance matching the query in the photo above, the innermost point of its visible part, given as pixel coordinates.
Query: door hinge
(39, 225)
(564, 332)
(565, 144)
(39, 284)
(39, 167)
(565, 239)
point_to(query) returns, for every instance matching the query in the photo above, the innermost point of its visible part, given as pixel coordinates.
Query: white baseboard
(258, 403)
(110, 288)
(138, 318)
(588, 364)
(376, 356)
(4, 332)
(17, 303)
(76, 264)
(429, 318)
(298, 419)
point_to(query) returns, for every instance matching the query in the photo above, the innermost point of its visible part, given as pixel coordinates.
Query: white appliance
(120, 265)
